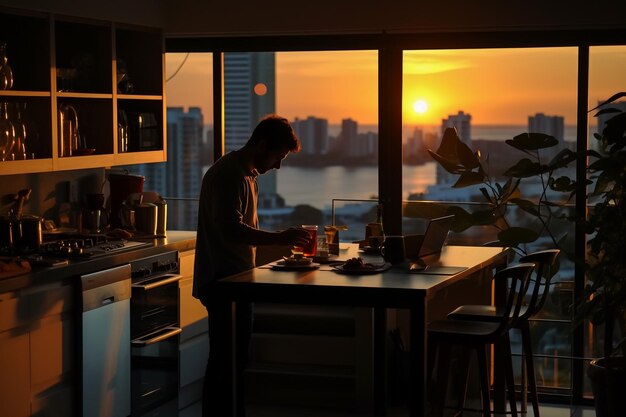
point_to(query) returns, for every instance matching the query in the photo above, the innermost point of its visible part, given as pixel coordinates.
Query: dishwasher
(105, 350)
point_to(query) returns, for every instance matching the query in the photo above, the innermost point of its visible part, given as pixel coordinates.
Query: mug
(393, 249)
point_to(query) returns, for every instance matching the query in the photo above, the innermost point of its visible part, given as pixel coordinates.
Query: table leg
(417, 382)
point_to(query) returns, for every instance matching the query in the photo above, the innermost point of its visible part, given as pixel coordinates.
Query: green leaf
(526, 205)
(462, 219)
(467, 179)
(525, 168)
(562, 184)
(532, 141)
(514, 236)
(451, 166)
(611, 99)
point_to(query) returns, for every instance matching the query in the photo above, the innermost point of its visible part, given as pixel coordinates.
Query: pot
(608, 386)
(29, 236)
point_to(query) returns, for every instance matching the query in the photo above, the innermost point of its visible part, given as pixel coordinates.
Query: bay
(318, 186)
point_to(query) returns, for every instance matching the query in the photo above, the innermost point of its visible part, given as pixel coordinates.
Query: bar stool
(544, 261)
(478, 336)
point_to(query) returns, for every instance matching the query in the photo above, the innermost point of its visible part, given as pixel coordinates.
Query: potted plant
(604, 299)
(472, 169)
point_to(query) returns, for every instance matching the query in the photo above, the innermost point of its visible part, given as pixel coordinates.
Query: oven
(154, 329)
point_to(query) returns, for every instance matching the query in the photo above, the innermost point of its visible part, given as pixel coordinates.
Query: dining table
(417, 292)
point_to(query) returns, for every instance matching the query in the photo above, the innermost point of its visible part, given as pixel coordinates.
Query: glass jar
(7, 133)
(6, 74)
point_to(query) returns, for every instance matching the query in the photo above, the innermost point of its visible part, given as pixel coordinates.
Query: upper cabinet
(77, 93)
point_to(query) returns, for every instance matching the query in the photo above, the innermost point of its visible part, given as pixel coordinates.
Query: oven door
(155, 327)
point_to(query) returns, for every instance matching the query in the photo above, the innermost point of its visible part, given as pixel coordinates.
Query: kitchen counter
(179, 240)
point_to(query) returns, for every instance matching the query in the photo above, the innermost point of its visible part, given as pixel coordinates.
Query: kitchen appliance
(121, 186)
(84, 246)
(155, 326)
(145, 213)
(105, 342)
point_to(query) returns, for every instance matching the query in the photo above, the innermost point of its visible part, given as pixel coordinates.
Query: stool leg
(505, 345)
(441, 384)
(481, 354)
(530, 366)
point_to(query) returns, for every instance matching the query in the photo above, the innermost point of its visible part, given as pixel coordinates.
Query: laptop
(423, 251)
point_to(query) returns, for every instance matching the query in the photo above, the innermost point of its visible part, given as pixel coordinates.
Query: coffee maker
(121, 186)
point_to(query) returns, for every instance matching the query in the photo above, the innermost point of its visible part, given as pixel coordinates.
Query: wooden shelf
(110, 71)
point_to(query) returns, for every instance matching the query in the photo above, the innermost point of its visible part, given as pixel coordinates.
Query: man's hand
(295, 236)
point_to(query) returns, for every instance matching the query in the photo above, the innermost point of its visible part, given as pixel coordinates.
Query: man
(228, 232)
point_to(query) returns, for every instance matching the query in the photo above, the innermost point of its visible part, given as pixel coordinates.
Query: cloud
(425, 63)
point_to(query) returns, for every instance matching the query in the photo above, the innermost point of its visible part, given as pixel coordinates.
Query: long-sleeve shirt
(227, 213)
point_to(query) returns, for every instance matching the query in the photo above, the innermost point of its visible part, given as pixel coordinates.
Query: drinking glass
(6, 74)
(7, 132)
(310, 249)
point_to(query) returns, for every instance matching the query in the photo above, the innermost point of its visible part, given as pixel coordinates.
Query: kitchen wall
(53, 193)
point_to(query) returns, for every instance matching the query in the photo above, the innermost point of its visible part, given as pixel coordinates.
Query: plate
(280, 266)
(381, 268)
(370, 249)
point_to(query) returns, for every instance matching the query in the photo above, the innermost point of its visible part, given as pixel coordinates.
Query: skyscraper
(548, 125)
(249, 95)
(462, 123)
(181, 175)
(313, 133)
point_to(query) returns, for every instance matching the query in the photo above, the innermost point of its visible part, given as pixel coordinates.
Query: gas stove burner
(86, 247)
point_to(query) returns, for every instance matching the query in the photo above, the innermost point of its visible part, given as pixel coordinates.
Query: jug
(68, 130)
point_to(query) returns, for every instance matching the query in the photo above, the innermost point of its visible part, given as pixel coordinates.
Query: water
(318, 186)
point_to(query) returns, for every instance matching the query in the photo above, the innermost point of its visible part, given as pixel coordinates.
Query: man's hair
(277, 133)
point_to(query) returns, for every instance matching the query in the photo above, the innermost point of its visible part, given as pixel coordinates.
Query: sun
(420, 106)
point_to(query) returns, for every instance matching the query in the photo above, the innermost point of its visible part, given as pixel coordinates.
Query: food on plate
(296, 260)
(358, 264)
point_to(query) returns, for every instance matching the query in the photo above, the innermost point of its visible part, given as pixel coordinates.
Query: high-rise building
(313, 133)
(548, 125)
(462, 123)
(249, 95)
(181, 175)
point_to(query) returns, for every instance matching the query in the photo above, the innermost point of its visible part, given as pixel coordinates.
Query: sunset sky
(495, 86)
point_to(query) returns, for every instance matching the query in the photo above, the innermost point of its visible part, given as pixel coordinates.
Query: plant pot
(608, 387)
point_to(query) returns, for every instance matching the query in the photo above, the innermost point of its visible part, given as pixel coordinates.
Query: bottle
(6, 74)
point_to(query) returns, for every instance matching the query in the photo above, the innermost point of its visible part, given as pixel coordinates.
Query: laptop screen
(436, 235)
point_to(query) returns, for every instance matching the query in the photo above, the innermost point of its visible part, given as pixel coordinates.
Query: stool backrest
(544, 261)
(516, 278)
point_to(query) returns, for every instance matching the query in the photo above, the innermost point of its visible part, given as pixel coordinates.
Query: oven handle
(163, 334)
(167, 279)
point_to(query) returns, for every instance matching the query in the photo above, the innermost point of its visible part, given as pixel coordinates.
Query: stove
(86, 246)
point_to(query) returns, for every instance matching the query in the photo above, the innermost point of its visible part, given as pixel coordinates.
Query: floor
(264, 411)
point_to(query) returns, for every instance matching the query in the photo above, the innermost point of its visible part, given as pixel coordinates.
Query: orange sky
(494, 86)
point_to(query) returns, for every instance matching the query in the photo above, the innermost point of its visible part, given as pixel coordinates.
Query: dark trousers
(215, 401)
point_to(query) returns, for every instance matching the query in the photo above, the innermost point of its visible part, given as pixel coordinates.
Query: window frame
(390, 49)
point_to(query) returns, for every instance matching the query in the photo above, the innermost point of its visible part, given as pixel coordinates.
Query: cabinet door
(15, 373)
(193, 315)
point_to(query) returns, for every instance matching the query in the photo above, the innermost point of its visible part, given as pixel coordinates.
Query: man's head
(273, 139)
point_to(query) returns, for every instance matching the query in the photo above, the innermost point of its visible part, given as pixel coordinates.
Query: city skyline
(501, 87)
